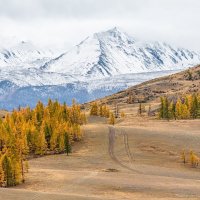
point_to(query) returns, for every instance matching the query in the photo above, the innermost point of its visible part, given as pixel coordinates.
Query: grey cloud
(68, 21)
(69, 8)
(97, 8)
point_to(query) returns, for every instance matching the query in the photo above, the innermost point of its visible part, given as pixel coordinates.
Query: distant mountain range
(102, 64)
(113, 52)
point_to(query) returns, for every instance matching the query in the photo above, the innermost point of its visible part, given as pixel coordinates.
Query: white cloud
(63, 23)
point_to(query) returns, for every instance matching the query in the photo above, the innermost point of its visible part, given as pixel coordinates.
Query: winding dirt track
(111, 136)
(127, 148)
(154, 172)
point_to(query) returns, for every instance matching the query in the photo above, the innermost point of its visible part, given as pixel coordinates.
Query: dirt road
(132, 162)
(113, 132)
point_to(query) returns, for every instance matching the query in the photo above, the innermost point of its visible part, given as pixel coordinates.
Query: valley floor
(140, 161)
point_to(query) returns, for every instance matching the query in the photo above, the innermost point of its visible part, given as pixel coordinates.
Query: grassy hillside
(185, 82)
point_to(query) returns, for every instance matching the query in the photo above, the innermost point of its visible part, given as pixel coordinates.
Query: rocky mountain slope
(113, 52)
(23, 55)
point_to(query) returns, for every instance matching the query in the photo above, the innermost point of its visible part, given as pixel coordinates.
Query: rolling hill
(185, 82)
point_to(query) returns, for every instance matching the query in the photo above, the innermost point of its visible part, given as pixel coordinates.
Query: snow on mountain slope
(113, 52)
(35, 77)
(124, 80)
(12, 95)
(104, 54)
(23, 55)
(102, 64)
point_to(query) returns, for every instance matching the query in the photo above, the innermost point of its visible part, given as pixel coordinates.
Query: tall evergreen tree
(8, 171)
(194, 106)
(68, 148)
(112, 119)
(161, 113)
(166, 109)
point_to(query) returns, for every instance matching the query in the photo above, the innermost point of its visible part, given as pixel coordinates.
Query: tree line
(102, 111)
(99, 110)
(39, 131)
(186, 107)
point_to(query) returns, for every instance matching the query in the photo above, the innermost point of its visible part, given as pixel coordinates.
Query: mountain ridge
(102, 64)
(113, 52)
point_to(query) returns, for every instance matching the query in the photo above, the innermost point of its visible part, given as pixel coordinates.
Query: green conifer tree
(68, 148)
(8, 171)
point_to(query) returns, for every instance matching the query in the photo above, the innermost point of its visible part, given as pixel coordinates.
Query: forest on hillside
(30, 132)
(185, 107)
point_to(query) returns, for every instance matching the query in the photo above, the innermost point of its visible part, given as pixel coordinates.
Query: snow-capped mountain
(102, 64)
(114, 52)
(23, 55)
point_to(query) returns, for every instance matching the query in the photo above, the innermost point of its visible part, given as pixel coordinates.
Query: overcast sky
(63, 23)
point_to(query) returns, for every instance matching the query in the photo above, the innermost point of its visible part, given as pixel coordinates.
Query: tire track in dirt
(36, 196)
(111, 137)
(127, 148)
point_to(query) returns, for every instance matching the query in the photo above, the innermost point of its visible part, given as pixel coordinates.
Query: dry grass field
(141, 160)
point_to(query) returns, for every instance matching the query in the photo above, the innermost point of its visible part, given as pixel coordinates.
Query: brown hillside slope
(185, 82)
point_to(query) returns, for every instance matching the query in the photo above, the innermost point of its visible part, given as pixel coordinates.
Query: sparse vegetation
(112, 119)
(141, 109)
(149, 110)
(130, 98)
(116, 110)
(191, 159)
(123, 114)
(183, 156)
(194, 159)
(189, 75)
(198, 72)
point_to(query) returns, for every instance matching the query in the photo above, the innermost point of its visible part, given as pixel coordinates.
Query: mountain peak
(113, 52)
(116, 35)
(115, 30)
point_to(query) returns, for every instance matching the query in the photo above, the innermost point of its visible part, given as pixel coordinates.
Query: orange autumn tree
(99, 110)
(42, 130)
(185, 107)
